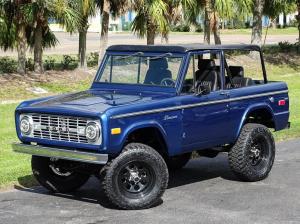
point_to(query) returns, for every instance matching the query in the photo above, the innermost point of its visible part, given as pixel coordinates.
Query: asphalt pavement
(68, 44)
(204, 192)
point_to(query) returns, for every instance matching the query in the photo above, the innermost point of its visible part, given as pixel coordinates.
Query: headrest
(206, 64)
(236, 71)
(158, 64)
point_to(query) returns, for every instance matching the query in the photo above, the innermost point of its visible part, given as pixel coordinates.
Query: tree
(107, 8)
(228, 9)
(38, 12)
(273, 8)
(213, 11)
(13, 29)
(85, 8)
(152, 18)
(298, 18)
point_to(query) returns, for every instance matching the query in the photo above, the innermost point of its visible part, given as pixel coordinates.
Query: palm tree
(151, 19)
(38, 12)
(298, 18)
(257, 10)
(213, 11)
(107, 8)
(85, 8)
(14, 24)
(227, 9)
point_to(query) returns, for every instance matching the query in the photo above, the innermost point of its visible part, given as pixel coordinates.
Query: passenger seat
(207, 74)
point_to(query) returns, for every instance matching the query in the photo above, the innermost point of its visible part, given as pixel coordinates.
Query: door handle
(224, 93)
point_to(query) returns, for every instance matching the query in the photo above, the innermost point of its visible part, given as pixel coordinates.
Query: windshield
(138, 68)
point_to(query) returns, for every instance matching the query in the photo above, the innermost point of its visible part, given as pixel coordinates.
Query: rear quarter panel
(265, 96)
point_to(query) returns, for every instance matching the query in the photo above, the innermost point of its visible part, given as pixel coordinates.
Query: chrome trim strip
(60, 153)
(198, 104)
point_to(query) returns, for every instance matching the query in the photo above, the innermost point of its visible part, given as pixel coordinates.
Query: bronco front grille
(60, 128)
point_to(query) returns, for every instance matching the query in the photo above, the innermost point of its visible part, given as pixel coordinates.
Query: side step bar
(58, 153)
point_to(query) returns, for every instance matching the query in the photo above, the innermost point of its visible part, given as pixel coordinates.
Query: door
(206, 116)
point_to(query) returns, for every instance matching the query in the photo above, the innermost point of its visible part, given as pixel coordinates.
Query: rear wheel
(137, 178)
(252, 156)
(57, 175)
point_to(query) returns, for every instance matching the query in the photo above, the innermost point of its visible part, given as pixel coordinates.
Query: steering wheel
(167, 82)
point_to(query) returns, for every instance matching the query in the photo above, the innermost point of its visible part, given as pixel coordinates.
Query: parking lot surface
(205, 191)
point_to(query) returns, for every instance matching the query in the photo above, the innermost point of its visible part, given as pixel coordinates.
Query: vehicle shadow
(197, 170)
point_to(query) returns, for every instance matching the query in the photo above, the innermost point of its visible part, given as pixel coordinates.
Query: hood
(90, 101)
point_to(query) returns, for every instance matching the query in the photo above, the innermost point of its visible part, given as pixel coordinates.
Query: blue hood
(90, 102)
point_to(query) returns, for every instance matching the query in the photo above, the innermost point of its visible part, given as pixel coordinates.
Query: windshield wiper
(161, 56)
(131, 55)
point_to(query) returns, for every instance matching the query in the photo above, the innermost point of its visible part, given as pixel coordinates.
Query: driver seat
(207, 74)
(158, 70)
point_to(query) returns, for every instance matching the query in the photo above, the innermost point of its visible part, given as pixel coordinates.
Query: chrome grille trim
(60, 128)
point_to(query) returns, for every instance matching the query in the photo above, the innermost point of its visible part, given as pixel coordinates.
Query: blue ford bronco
(147, 110)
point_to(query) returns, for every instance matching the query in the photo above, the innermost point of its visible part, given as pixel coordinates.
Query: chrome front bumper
(60, 153)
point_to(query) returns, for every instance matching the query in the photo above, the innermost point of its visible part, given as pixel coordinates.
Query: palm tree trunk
(104, 29)
(257, 22)
(207, 24)
(82, 49)
(82, 44)
(216, 29)
(298, 19)
(21, 48)
(38, 49)
(151, 30)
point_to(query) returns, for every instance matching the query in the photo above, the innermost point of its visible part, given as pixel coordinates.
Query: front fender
(250, 109)
(117, 142)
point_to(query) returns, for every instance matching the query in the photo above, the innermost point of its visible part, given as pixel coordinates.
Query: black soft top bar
(181, 48)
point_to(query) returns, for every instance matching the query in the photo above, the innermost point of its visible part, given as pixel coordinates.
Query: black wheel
(178, 162)
(252, 156)
(137, 178)
(57, 175)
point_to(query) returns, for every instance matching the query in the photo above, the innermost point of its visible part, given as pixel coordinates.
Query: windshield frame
(100, 71)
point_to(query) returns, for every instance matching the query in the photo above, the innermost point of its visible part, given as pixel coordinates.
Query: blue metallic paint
(210, 125)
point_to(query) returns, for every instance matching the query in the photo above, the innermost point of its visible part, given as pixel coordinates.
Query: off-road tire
(178, 162)
(53, 182)
(241, 157)
(113, 184)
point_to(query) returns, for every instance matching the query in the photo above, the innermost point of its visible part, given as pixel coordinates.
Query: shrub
(285, 46)
(199, 29)
(92, 59)
(8, 65)
(49, 63)
(29, 64)
(181, 28)
(69, 62)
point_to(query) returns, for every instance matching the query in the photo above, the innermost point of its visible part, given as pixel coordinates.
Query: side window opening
(203, 70)
(243, 68)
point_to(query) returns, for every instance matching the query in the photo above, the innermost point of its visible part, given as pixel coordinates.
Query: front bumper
(59, 153)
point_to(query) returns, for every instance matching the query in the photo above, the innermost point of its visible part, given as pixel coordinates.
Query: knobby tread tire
(45, 176)
(135, 152)
(237, 156)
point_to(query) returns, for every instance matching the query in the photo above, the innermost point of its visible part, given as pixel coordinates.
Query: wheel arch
(258, 113)
(143, 132)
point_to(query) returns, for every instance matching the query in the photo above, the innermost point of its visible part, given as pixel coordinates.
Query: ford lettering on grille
(60, 128)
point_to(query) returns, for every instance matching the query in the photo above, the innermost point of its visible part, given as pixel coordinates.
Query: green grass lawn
(15, 168)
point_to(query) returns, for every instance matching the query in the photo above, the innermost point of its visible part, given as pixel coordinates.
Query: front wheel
(57, 175)
(252, 156)
(137, 178)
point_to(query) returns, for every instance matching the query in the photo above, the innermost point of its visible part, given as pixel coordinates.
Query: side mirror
(203, 90)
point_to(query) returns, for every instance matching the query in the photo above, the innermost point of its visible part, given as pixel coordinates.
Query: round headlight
(92, 131)
(25, 125)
